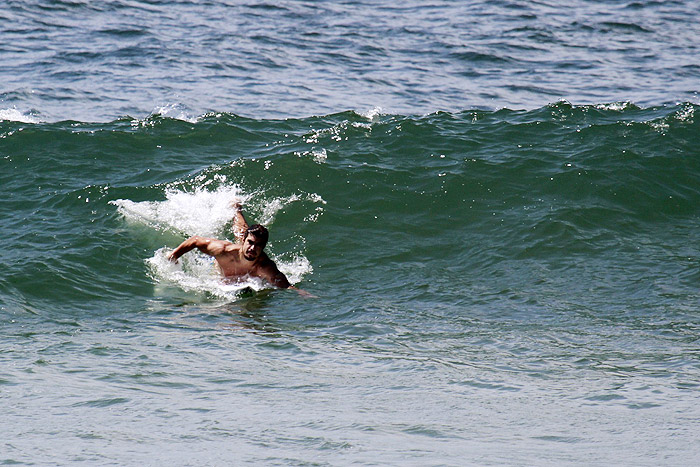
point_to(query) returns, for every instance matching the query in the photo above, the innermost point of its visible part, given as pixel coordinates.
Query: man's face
(252, 247)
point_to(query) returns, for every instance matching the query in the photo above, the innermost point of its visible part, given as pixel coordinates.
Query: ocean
(496, 205)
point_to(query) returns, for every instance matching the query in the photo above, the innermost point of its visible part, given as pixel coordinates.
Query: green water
(496, 286)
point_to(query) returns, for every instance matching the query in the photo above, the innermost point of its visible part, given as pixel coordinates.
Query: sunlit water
(495, 286)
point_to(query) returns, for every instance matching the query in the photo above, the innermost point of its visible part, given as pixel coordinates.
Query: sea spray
(197, 212)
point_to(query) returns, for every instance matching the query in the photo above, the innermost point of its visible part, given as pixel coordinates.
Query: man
(243, 258)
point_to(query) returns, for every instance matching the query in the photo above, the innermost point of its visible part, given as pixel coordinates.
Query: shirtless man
(245, 257)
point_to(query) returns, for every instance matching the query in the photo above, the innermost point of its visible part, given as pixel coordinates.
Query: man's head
(254, 241)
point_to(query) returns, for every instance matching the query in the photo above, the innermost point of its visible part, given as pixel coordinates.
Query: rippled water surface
(495, 203)
(94, 61)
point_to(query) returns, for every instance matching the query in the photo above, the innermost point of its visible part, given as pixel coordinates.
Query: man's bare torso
(235, 261)
(233, 266)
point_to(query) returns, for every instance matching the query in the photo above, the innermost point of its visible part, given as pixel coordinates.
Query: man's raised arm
(209, 246)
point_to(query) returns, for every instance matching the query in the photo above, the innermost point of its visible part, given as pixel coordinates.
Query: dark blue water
(497, 205)
(95, 61)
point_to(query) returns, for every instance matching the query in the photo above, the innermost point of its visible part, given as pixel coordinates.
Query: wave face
(475, 255)
(595, 195)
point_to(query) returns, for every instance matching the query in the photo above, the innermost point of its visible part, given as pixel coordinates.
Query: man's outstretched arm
(209, 246)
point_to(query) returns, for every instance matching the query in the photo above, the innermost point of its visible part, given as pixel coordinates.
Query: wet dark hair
(258, 231)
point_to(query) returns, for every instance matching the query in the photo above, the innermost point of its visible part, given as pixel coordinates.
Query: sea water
(495, 203)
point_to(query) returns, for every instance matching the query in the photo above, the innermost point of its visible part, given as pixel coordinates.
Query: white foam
(686, 114)
(15, 115)
(295, 269)
(320, 156)
(176, 112)
(371, 113)
(615, 106)
(200, 212)
(272, 207)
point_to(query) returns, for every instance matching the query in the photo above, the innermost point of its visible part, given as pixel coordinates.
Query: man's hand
(302, 293)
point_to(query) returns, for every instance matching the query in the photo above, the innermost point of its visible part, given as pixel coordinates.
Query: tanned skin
(237, 260)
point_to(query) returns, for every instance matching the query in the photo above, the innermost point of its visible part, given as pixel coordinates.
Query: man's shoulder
(267, 269)
(229, 248)
(264, 262)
